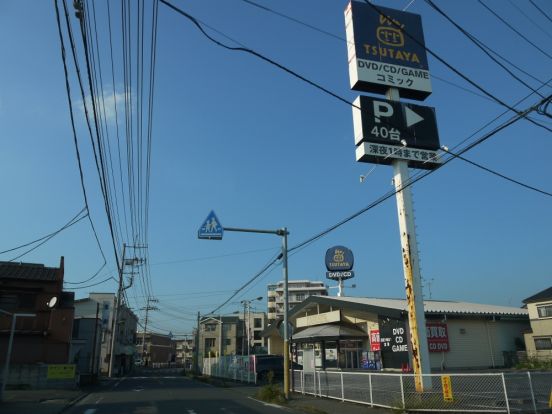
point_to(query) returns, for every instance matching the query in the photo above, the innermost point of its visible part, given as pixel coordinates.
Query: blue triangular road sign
(211, 228)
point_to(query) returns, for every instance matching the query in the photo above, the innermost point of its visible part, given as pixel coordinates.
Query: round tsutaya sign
(339, 258)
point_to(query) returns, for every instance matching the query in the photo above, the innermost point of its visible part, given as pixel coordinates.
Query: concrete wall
(35, 376)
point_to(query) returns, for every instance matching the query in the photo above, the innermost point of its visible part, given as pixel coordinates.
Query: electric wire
(92, 285)
(486, 49)
(514, 29)
(65, 226)
(539, 9)
(532, 21)
(452, 68)
(529, 187)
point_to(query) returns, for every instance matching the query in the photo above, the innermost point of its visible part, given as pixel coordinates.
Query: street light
(10, 343)
(247, 325)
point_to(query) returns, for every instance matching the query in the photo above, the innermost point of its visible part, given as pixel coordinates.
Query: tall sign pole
(411, 267)
(387, 55)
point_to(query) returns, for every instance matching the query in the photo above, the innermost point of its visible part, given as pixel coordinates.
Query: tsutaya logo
(339, 258)
(390, 35)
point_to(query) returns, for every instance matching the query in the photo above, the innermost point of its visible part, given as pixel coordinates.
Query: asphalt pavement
(155, 392)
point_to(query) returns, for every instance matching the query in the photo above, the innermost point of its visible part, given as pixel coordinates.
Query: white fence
(236, 368)
(528, 392)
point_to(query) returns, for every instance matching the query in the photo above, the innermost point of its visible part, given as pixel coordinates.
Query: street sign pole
(212, 229)
(411, 266)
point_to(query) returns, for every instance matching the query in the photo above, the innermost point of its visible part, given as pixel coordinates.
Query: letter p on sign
(382, 109)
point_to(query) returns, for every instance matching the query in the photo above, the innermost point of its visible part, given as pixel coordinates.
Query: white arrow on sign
(412, 117)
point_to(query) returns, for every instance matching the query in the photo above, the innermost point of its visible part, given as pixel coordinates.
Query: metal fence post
(303, 382)
(505, 393)
(402, 392)
(370, 385)
(342, 388)
(532, 393)
(319, 384)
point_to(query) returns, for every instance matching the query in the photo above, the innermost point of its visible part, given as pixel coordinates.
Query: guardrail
(528, 392)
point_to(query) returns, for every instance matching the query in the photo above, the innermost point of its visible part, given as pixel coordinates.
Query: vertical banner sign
(375, 344)
(447, 388)
(437, 337)
(386, 50)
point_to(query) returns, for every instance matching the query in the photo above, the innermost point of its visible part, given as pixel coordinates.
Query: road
(170, 394)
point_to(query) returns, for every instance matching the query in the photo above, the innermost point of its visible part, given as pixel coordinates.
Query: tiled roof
(27, 271)
(543, 295)
(438, 306)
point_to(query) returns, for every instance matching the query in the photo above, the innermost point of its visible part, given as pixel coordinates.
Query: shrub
(271, 393)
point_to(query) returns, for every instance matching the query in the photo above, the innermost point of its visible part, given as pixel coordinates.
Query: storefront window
(331, 354)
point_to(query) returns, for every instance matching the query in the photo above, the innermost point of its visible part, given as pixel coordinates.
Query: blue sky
(265, 150)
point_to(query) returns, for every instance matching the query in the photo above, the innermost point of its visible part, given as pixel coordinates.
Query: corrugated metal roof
(27, 271)
(438, 306)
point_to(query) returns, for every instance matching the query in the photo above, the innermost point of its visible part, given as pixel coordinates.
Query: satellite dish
(52, 302)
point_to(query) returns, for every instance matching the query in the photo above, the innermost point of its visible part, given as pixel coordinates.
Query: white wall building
(298, 291)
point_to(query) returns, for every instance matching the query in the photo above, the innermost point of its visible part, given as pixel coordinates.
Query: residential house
(37, 290)
(538, 339)
(155, 349)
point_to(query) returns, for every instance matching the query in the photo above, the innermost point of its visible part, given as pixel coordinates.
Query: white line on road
(90, 411)
(267, 404)
(98, 400)
(191, 412)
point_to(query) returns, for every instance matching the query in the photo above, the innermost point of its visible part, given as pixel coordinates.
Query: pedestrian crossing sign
(211, 229)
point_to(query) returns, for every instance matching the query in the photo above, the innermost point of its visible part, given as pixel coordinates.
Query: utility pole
(196, 365)
(124, 262)
(147, 308)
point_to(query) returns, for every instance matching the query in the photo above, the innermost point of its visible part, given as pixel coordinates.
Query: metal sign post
(212, 229)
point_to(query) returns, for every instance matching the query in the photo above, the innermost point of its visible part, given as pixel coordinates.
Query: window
(227, 341)
(209, 343)
(8, 302)
(543, 343)
(257, 335)
(210, 327)
(300, 297)
(76, 327)
(545, 311)
(258, 323)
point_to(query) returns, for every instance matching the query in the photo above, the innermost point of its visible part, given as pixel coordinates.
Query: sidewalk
(39, 401)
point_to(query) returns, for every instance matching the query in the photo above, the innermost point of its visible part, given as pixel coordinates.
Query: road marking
(265, 403)
(90, 411)
(98, 400)
(191, 412)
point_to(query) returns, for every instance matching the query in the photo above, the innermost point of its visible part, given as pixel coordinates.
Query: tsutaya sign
(380, 125)
(339, 262)
(386, 50)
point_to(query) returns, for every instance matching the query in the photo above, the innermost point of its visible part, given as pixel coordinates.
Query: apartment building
(126, 335)
(185, 352)
(298, 291)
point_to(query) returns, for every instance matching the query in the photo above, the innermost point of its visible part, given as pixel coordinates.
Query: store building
(373, 333)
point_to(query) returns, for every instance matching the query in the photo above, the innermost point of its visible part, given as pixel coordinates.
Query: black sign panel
(386, 49)
(339, 258)
(394, 343)
(390, 122)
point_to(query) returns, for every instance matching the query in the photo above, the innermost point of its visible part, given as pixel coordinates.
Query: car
(264, 364)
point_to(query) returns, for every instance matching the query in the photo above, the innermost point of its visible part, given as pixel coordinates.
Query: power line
(452, 68)
(514, 29)
(65, 226)
(414, 180)
(94, 284)
(527, 186)
(484, 47)
(539, 9)
(533, 22)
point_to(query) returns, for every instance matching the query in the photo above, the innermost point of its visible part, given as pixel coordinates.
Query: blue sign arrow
(211, 229)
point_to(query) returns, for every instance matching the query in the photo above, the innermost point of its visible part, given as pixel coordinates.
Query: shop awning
(329, 332)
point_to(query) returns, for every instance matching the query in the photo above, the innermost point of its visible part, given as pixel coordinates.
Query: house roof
(543, 295)
(383, 306)
(28, 271)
